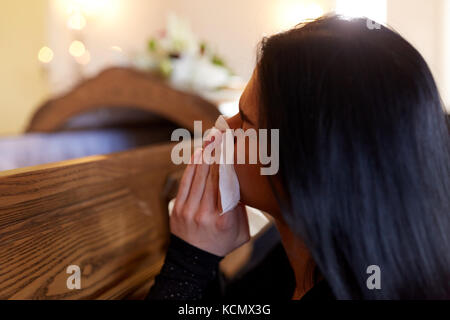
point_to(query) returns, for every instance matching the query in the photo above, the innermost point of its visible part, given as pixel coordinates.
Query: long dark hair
(364, 155)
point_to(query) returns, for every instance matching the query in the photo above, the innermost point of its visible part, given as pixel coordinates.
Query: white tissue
(228, 181)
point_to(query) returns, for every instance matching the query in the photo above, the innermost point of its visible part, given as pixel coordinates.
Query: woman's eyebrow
(244, 117)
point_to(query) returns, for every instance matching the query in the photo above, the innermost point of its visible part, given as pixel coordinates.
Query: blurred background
(95, 77)
(49, 46)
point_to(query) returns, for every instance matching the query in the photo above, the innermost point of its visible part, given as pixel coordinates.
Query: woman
(364, 175)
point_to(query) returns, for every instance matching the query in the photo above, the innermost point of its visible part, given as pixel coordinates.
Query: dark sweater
(190, 273)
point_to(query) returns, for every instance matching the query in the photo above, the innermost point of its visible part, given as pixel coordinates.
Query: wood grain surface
(124, 87)
(106, 214)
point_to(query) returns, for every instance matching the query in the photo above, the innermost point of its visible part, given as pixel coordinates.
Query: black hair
(364, 155)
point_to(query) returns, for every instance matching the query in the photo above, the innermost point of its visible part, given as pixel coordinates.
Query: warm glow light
(93, 7)
(229, 109)
(372, 9)
(77, 48)
(45, 55)
(292, 13)
(84, 59)
(116, 48)
(90, 8)
(76, 21)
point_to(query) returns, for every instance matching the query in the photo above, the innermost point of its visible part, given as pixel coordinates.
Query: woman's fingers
(197, 188)
(186, 181)
(210, 195)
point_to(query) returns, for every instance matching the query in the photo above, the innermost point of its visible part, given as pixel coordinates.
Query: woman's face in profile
(255, 189)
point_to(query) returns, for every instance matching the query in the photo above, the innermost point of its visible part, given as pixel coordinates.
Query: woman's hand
(195, 217)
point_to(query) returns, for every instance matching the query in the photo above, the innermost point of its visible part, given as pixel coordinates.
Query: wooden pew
(105, 214)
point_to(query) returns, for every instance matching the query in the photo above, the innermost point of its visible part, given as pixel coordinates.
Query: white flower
(198, 73)
(179, 37)
(208, 76)
(177, 55)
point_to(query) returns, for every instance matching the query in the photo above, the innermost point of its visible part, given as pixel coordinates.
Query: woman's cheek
(255, 188)
(256, 191)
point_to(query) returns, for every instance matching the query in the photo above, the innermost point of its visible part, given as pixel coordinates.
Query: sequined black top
(187, 274)
(190, 273)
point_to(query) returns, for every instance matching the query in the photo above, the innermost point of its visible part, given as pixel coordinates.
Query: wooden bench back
(105, 214)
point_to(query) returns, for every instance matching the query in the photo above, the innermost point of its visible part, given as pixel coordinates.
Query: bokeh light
(45, 55)
(76, 21)
(77, 48)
